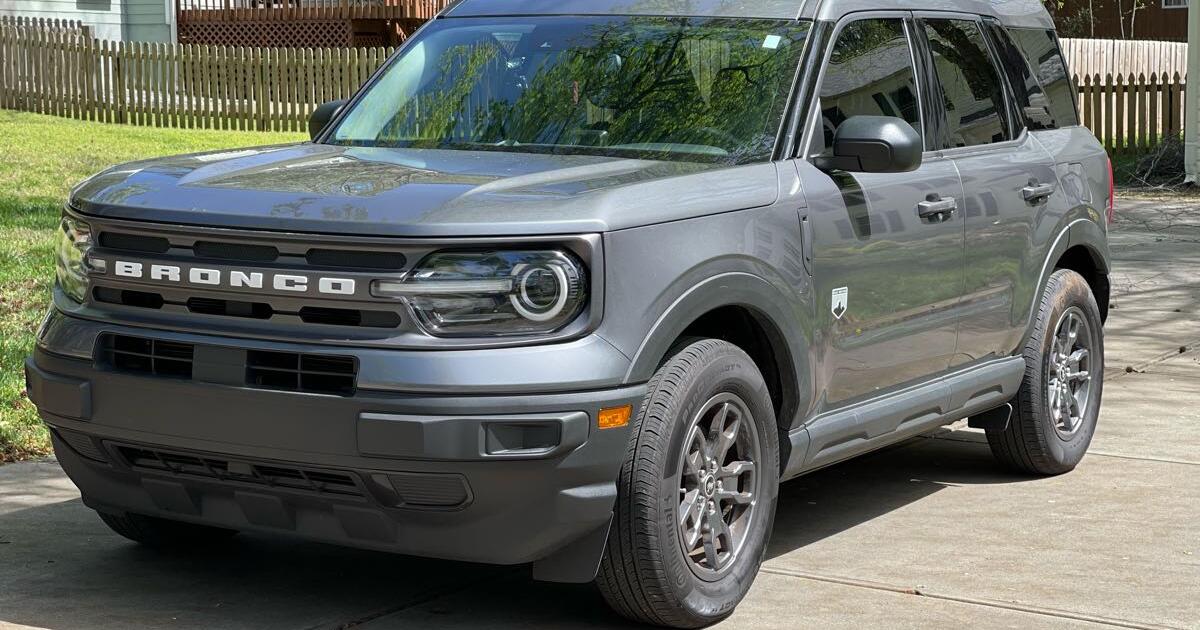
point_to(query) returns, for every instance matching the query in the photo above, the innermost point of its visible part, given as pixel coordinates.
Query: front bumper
(495, 478)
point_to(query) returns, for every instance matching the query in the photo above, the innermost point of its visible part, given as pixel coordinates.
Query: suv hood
(419, 192)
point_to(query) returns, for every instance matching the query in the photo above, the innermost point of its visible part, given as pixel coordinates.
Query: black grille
(390, 261)
(349, 317)
(230, 308)
(264, 369)
(134, 243)
(235, 251)
(423, 490)
(125, 297)
(251, 310)
(197, 465)
(83, 444)
(153, 357)
(363, 317)
(289, 371)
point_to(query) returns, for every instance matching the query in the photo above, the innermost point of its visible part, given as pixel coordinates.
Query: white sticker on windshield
(772, 42)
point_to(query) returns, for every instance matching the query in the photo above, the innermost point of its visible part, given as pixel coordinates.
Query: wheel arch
(744, 310)
(1087, 254)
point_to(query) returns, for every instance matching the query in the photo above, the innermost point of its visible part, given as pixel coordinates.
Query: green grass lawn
(43, 157)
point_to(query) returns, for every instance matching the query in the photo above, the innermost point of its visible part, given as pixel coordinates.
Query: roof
(1031, 13)
(1027, 13)
(779, 9)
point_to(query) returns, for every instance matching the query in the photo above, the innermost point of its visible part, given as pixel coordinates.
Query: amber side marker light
(614, 417)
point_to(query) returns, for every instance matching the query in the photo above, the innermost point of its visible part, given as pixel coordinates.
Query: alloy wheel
(718, 485)
(1070, 380)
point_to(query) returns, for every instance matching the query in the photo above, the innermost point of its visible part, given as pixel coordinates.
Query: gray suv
(578, 283)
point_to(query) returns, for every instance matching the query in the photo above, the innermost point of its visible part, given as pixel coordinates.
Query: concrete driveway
(929, 534)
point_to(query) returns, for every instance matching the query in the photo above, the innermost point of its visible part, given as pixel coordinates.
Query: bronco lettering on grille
(295, 283)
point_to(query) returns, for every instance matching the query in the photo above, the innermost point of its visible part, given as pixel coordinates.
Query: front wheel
(1055, 412)
(697, 492)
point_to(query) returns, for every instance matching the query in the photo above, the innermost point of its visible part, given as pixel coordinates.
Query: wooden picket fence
(1133, 114)
(56, 67)
(64, 72)
(1102, 57)
(260, 10)
(46, 24)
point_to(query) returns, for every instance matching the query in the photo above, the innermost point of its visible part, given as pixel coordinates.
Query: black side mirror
(321, 116)
(874, 144)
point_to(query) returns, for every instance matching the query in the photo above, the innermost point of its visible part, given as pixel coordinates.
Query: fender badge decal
(841, 302)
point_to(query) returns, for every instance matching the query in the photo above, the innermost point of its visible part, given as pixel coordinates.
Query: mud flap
(576, 563)
(994, 421)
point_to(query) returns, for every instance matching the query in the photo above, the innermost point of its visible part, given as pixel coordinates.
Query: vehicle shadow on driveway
(843, 496)
(61, 568)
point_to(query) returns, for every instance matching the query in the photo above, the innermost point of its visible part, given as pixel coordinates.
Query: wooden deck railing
(267, 10)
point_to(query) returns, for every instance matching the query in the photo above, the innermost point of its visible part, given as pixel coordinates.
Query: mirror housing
(321, 116)
(874, 144)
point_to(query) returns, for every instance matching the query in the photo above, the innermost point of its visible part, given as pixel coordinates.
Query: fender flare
(1081, 231)
(1091, 236)
(780, 316)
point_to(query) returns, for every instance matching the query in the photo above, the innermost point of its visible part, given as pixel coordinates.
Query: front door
(888, 280)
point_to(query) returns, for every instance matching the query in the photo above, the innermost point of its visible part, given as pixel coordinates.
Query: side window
(870, 73)
(1043, 56)
(972, 93)
(1033, 106)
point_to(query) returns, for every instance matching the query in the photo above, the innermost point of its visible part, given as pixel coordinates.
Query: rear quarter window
(973, 102)
(1047, 66)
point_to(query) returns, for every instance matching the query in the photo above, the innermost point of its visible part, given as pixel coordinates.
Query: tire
(164, 534)
(1039, 439)
(646, 575)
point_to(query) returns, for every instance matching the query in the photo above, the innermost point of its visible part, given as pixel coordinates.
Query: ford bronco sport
(578, 283)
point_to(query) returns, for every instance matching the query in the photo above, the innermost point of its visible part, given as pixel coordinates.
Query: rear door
(887, 280)
(1009, 183)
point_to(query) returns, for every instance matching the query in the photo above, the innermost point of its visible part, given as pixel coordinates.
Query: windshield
(693, 89)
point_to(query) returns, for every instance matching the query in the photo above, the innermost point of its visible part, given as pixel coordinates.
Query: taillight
(1112, 194)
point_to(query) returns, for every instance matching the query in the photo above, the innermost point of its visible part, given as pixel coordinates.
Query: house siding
(1153, 20)
(127, 20)
(148, 21)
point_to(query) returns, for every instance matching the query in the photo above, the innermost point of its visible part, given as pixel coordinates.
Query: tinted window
(693, 89)
(870, 73)
(1027, 88)
(1045, 59)
(972, 93)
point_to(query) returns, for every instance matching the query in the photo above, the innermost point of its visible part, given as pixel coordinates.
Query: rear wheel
(162, 533)
(1055, 412)
(696, 495)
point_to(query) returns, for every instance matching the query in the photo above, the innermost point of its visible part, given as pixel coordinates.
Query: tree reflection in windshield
(676, 88)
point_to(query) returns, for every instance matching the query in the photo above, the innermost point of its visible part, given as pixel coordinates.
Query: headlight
(492, 292)
(74, 241)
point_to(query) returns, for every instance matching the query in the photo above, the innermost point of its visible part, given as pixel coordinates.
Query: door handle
(1035, 192)
(937, 208)
(806, 243)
